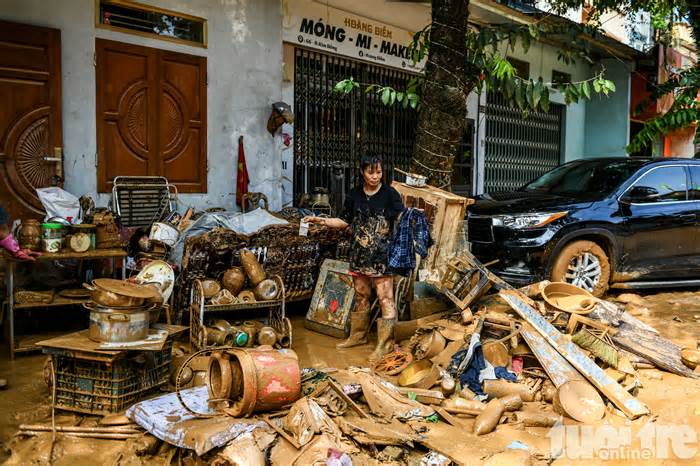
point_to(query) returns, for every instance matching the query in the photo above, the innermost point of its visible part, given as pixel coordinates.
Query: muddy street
(673, 400)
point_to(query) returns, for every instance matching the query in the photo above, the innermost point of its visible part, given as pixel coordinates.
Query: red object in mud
(242, 177)
(517, 364)
(271, 379)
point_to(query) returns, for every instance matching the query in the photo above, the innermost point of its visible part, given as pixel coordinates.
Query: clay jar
(210, 288)
(267, 336)
(266, 290)
(30, 235)
(233, 280)
(252, 267)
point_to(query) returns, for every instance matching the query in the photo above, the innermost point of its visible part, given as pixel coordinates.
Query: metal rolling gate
(519, 149)
(332, 130)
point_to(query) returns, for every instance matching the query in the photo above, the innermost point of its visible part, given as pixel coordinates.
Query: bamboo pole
(81, 429)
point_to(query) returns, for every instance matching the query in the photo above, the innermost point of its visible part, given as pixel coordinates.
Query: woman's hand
(313, 219)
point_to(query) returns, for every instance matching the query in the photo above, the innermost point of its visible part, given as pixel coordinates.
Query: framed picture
(333, 300)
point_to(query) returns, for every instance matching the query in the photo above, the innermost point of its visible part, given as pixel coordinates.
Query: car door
(694, 195)
(660, 224)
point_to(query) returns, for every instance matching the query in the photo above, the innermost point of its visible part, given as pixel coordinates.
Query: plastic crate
(95, 386)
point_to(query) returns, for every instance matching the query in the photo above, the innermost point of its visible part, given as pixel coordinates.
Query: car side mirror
(640, 194)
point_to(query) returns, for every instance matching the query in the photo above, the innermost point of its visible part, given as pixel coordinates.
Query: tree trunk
(443, 111)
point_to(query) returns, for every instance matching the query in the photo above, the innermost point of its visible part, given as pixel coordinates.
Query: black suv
(628, 222)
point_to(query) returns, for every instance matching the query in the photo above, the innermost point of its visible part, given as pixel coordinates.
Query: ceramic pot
(252, 267)
(30, 235)
(267, 290)
(210, 287)
(267, 336)
(233, 280)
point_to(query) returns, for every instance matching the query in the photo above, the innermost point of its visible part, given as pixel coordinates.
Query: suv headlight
(524, 221)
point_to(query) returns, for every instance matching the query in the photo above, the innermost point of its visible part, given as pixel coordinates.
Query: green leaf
(400, 96)
(537, 93)
(392, 97)
(544, 100)
(340, 86)
(534, 32)
(585, 90)
(386, 95)
(525, 42)
(512, 40)
(508, 88)
(520, 94)
(529, 94)
(412, 99)
(596, 86)
(610, 85)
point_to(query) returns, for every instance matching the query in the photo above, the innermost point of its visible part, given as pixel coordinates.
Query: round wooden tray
(125, 288)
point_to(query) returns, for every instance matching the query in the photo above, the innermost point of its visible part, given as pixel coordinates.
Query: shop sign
(321, 27)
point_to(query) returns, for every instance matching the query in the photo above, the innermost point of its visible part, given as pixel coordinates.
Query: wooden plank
(448, 417)
(558, 369)
(632, 407)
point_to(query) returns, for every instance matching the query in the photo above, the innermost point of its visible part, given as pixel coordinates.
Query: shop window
(559, 77)
(522, 68)
(136, 18)
(151, 115)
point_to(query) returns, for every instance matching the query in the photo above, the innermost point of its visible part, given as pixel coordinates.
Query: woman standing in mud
(370, 210)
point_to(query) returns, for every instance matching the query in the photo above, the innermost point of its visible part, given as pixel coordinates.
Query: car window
(585, 178)
(663, 184)
(694, 188)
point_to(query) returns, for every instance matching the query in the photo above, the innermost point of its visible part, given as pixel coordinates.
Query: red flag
(242, 175)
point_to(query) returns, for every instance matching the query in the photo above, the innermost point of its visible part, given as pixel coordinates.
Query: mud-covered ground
(673, 400)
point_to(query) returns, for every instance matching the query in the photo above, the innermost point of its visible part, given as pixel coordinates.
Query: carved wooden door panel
(182, 125)
(151, 115)
(30, 115)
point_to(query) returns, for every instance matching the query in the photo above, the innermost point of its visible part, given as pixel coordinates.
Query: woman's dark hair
(4, 218)
(370, 160)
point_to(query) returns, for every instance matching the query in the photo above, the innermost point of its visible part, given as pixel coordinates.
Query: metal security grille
(519, 149)
(332, 130)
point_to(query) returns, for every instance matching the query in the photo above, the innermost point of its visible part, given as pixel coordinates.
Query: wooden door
(30, 115)
(151, 115)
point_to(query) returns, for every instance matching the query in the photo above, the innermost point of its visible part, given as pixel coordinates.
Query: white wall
(543, 60)
(244, 62)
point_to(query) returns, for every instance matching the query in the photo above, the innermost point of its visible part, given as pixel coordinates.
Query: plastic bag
(59, 203)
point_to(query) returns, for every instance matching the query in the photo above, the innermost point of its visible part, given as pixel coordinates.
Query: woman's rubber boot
(385, 339)
(359, 321)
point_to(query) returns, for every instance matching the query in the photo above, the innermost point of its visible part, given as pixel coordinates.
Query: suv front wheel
(584, 264)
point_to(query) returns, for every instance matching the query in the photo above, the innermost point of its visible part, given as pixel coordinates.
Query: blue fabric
(503, 373)
(411, 236)
(470, 377)
(477, 363)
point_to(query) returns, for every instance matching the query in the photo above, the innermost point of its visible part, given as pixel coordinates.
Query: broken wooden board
(369, 431)
(386, 401)
(640, 339)
(557, 367)
(632, 407)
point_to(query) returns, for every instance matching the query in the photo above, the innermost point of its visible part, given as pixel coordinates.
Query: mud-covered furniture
(115, 255)
(296, 259)
(201, 312)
